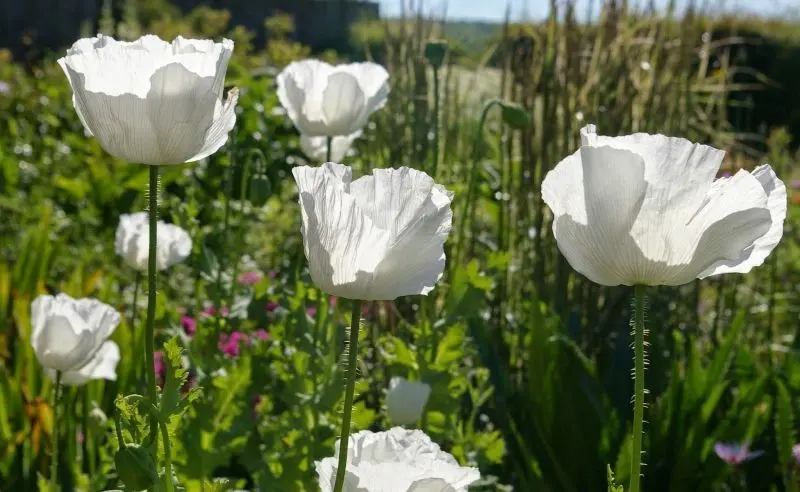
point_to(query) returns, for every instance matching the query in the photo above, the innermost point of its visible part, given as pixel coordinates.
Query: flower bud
(515, 116)
(135, 467)
(260, 189)
(435, 52)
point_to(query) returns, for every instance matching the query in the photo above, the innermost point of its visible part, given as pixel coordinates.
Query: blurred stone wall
(32, 28)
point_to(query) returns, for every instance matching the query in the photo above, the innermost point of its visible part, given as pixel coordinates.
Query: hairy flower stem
(152, 209)
(637, 324)
(328, 148)
(349, 390)
(167, 457)
(54, 457)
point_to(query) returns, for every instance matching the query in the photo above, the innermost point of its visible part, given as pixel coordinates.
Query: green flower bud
(135, 467)
(260, 189)
(515, 116)
(435, 51)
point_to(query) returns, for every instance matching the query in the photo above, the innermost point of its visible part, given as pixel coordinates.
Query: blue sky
(494, 10)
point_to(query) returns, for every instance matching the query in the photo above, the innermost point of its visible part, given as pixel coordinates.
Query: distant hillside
(471, 36)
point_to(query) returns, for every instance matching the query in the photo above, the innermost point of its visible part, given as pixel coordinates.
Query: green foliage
(528, 361)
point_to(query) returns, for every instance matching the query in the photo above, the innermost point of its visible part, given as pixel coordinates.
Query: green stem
(468, 211)
(328, 148)
(637, 323)
(152, 389)
(135, 307)
(435, 159)
(352, 357)
(54, 457)
(167, 456)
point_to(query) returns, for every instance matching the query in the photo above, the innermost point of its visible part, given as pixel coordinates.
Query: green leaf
(613, 486)
(784, 424)
(451, 347)
(172, 402)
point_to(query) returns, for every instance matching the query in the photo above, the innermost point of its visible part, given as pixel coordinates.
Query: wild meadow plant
(461, 321)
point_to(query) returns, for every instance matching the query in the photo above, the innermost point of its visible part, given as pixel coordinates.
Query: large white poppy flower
(70, 335)
(645, 209)
(152, 102)
(376, 238)
(132, 240)
(398, 460)
(316, 148)
(406, 400)
(327, 101)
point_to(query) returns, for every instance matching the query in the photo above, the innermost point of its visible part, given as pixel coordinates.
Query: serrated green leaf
(175, 377)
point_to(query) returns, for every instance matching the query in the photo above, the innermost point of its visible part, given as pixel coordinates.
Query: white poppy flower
(645, 209)
(328, 101)
(397, 460)
(406, 400)
(376, 238)
(132, 242)
(316, 148)
(70, 335)
(152, 102)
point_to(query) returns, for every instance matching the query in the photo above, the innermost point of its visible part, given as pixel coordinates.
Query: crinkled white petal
(374, 81)
(405, 400)
(643, 209)
(323, 100)
(67, 333)
(343, 103)
(173, 245)
(150, 101)
(102, 365)
(397, 460)
(763, 246)
(377, 238)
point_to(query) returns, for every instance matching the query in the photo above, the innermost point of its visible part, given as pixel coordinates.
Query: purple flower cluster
(230, 344)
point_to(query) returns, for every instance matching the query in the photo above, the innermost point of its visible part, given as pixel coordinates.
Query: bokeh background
(529, 362)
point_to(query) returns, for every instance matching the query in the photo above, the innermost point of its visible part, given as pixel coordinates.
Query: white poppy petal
(343, 104)
(316, 148)
(297, 82)
(341, 243)
(397, 460)
(149, 101)
(763, 246)
(374, 81)
(224, 121)
(377, 238)
(406, 400)
(595, 238)
(323, 100)
(68, 333)
(672, 223)
(102, 365)
(132, 242)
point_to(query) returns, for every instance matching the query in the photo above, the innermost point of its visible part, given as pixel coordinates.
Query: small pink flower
(189, 325)
(160, 367)
(250, 278)
(272, 274)
(231, 344)
(271, 306)
(80, 437)
(332, 301)
(262, 334)
(211, 311)
(796, 453)
(795, 184)
(735, 454)
(312, 311)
